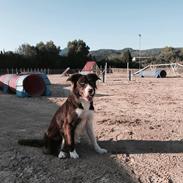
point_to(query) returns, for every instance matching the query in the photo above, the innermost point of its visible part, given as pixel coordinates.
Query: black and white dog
(71, 119)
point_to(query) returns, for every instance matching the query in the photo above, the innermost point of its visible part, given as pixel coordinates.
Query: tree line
(166, 55)
(46, 55)
(76, 54)
(119, 58)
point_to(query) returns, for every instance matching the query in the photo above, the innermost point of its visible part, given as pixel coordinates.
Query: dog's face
(84, 86)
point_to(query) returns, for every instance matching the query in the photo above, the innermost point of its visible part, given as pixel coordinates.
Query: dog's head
(84, 86)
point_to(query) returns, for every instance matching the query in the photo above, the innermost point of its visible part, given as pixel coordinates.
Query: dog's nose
(90, 91)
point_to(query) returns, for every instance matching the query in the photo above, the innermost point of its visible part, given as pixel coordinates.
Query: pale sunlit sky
(102, 24)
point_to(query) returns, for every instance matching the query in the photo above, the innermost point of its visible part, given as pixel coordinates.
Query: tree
(51, 48)
(48, 48)
(41, 55)
(40, 48)
(77, 53)
(168, 54)
(126, 57)
(78, 47)
(180, 54)
(27, 50)
(47, 54)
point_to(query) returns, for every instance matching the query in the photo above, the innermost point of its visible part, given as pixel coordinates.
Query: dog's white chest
(83, 112)
(85, 115)
(85, 104)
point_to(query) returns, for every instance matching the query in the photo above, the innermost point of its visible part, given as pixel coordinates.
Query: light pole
(139, 48)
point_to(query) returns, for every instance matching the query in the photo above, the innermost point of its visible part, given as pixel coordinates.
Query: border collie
(70, 120)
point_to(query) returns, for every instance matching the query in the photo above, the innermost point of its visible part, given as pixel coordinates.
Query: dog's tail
(32, 142)
(51, 146)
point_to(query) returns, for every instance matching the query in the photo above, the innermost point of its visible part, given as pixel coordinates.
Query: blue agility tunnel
(157, 73)
(26, 84)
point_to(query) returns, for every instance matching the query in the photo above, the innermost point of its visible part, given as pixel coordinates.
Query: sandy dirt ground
(140, 122)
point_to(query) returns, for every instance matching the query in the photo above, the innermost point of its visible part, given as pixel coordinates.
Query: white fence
(122, 70)
(54, 71)
(42, 70)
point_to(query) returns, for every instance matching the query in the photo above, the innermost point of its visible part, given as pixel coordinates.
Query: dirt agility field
(140, 123)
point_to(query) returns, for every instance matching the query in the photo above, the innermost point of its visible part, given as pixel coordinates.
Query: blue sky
(109, 24)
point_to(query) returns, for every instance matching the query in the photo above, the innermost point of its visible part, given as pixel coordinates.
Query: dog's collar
(80, 106)
(91, 106)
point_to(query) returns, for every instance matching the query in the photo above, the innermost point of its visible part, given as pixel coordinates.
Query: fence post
(127, 67)
(130, 75)
(103, 76)
(105, 71)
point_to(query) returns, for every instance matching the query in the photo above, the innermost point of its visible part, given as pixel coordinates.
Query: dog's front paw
(101, 150)
(74, 155)
(62, 155)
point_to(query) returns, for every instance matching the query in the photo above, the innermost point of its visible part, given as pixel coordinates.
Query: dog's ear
(93, 77)
(74, 78)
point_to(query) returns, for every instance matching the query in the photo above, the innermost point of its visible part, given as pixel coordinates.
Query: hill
(102, 54)
(116, 58)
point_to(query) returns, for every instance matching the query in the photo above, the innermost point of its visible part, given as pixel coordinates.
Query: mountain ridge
(101, 54)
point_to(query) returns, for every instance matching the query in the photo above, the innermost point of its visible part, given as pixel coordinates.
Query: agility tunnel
(26, 84)
(157, 73)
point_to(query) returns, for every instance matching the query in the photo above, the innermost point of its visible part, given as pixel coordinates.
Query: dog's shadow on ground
(60, 90)
(102, 95)
(142, 146)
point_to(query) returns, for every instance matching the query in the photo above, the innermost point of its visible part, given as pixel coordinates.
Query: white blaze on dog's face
(86, 91)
